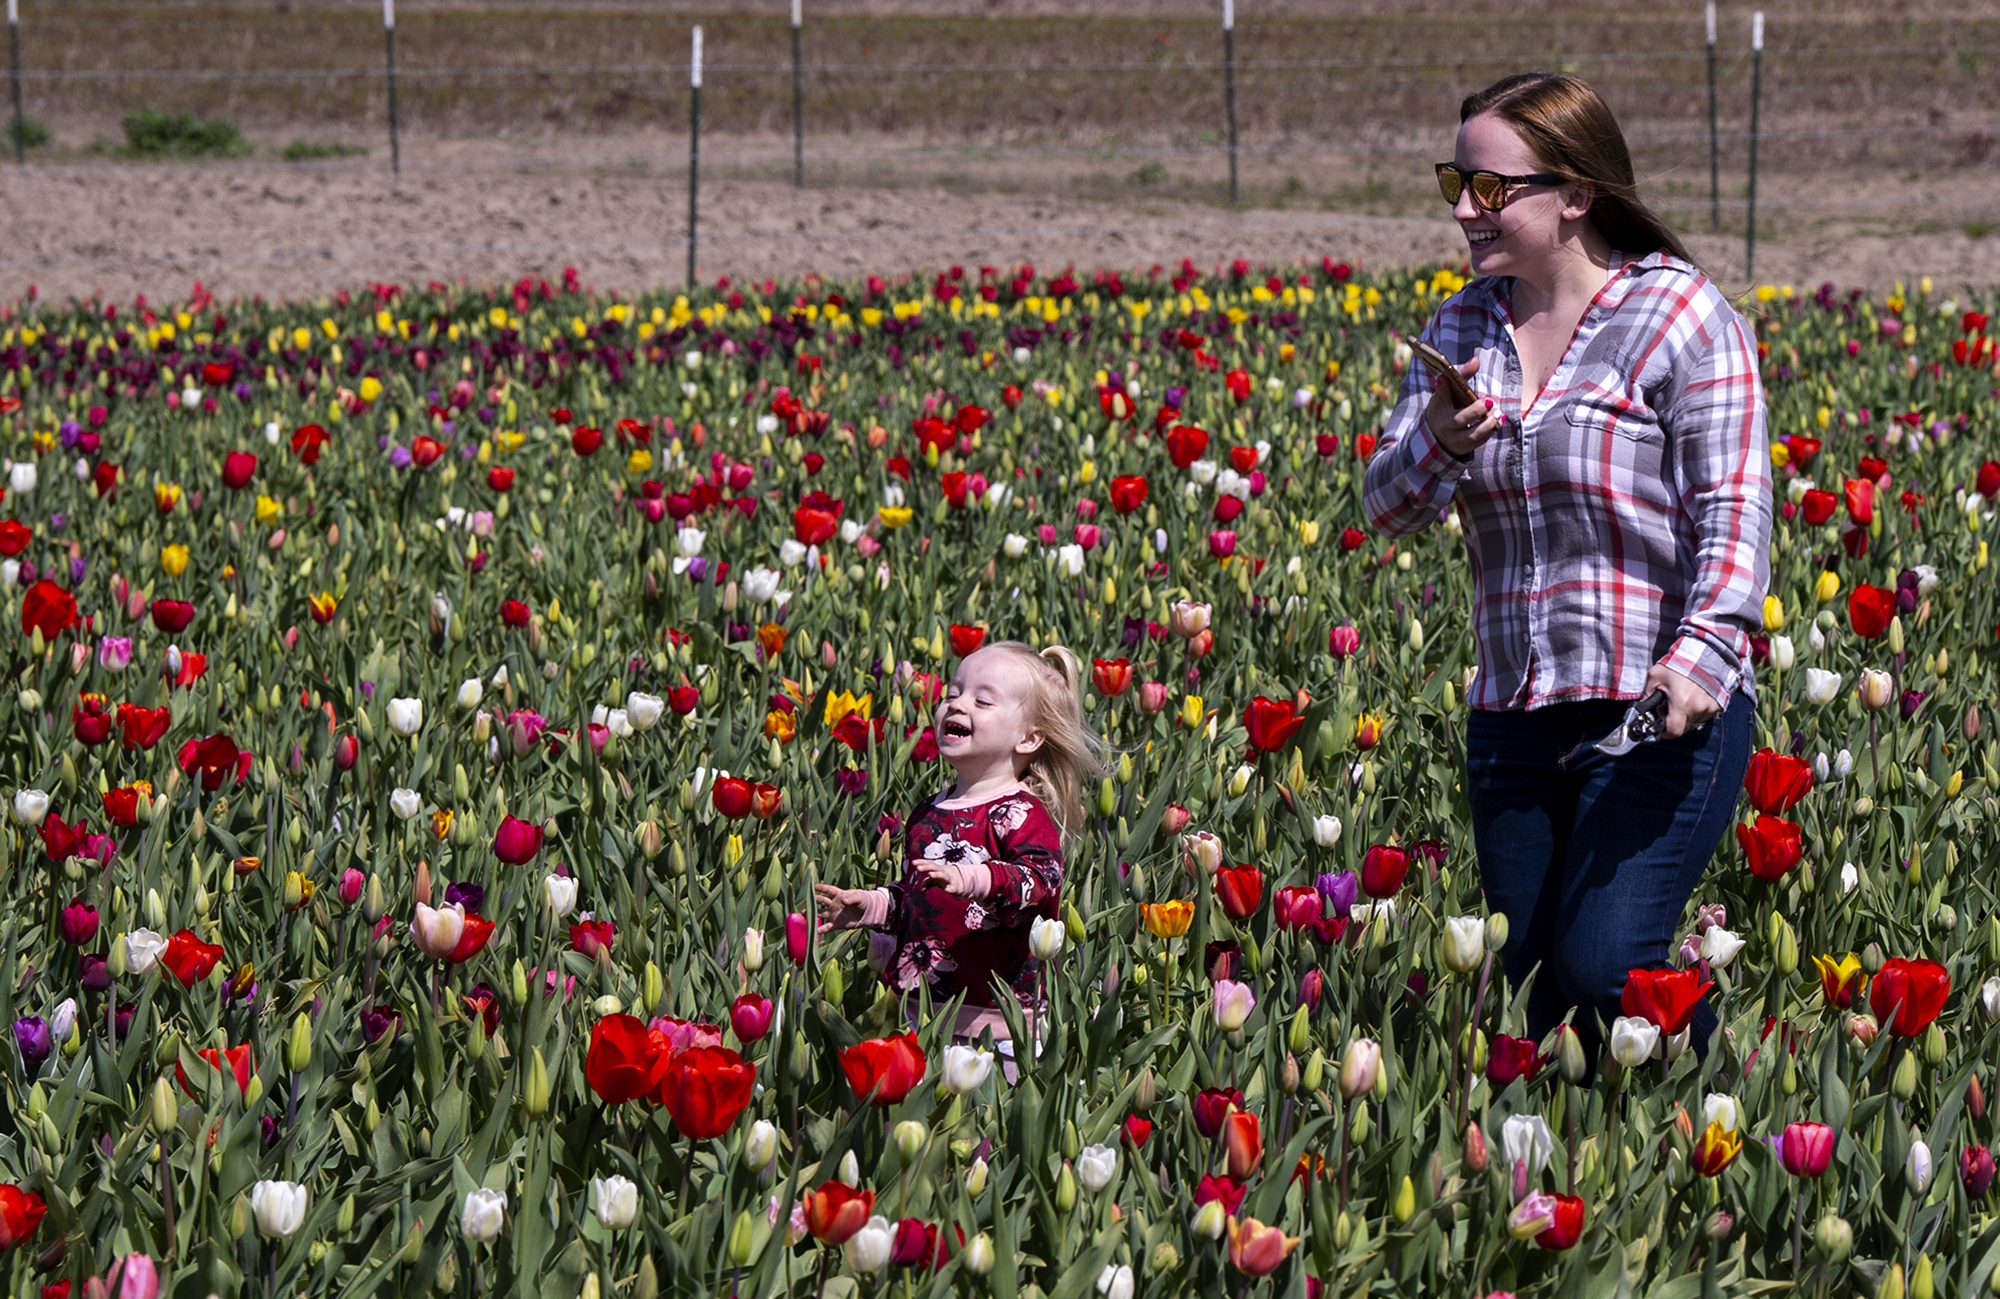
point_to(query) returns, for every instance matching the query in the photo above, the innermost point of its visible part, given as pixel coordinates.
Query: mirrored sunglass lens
(1451, 184)
(1489, 191)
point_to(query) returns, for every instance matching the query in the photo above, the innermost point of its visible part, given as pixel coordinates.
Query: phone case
(1457, 389)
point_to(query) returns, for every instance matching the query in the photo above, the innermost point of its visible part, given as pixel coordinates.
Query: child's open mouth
(955, 728)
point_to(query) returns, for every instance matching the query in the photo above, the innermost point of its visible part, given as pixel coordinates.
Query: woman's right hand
(839, 908)
(1461, 432)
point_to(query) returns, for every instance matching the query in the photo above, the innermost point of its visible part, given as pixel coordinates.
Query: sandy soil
(617, 210)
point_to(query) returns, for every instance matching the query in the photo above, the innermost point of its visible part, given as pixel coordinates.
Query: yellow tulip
(1774, 613)
(1168, 919)
(268, 510)
(894, 516)
(174, 560)
(1829, 587)
(639, 462)
(1309, 532)
(371, 388)
(1191, 710)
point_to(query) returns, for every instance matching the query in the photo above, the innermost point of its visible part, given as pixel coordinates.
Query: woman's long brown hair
(1570, 131)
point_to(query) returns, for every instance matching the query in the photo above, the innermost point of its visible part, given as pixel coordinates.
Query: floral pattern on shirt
(953, 944)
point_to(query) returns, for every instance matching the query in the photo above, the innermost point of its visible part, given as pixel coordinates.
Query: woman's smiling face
(1521, 236)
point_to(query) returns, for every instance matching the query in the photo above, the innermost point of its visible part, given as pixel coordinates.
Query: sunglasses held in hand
(1490, 189)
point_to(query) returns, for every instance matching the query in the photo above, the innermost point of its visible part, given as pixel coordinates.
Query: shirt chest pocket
(1618, 447)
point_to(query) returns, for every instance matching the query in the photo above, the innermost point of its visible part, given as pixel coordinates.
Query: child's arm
(1028, 873)
(855, 908)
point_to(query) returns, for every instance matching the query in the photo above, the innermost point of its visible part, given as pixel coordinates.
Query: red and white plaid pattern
(1627, 520)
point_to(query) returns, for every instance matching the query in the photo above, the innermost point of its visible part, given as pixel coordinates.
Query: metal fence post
(14, 57)
(1756, 94)
(389, 37)
(1714, 161)
(1229, 85)
(798, 104)
(694, 151)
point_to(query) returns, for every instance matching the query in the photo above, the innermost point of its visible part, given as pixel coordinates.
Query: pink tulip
(1086, 535)
(1343, 641)
(352, 882)
(750, 1017)
(1807, 1148)
(797, 934)
(1222, 543)
(1154, 696)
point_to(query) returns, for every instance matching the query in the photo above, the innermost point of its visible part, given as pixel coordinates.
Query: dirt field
(956, 131)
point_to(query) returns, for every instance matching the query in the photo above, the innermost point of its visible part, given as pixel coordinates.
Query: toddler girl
(984, 858)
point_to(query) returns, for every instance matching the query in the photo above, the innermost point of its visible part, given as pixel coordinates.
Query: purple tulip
(853, 780)
(92, 972)
(469, 896)
(399, 457)
(1912, 700)
(1975, 1165)
(375, 1021)
(1339, 889)
(32, 1036)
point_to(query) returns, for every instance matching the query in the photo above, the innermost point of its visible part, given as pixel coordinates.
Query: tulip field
(432, 708)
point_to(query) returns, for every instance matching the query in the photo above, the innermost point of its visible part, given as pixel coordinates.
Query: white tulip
(1849, 876)
(966, 1069)
(1989, 998)
(760, 1146)
(868, 1250)
(30, 806)
(142, 950)
(615, 1201)
(1816, 638)
(1096, 1166)
(1633, 1040)
(61, 1020)
(689, 541)
(21, 478)
(10, 572)
(1720, 1107)
(978, 1256)
(791, 551)
(760, 585)
(1782, 653)
(1069, 560)
(1046, 937)
(1115, 1281)
(1326, 830)
(406, 716)
(272, 432)
(1526, 1138)
(1719, 947)
(642, 710)
(280, 1207)
(1843, 765)
(1014, 545)
(405, 803)
(436, 930)
(1464, 943)
(484, 1214)
(1822, 686)
(1364, 913)
(850, 531)
(1927, 580)
(1918, 1166)
(559, 894)
(1231, 483)
(470, 692)
(1202, 471)
(753, 950)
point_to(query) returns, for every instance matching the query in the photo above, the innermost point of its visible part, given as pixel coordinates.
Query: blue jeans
(1593, 863)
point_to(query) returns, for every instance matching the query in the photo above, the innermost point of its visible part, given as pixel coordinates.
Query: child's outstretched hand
(969, 880)
(839, 908)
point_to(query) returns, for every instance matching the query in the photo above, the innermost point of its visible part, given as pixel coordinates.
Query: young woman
(1613, 480)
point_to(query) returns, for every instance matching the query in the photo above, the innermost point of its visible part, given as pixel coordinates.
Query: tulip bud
(1209, 1220)
(298, 1045)
(1786, 949)
(1299, 1036)
(909, 1137)
(1404, 1206)
(1474, 1157)
(1570, 1061)
(975, 1179)
(1871, 959)
(535, 1090)
(741, 1237)
(1891, 1284)
(1066, 1190)
(1288, 1074)
(978, 1256)
(1922, 1286)
(1934, 1045)
(1360, 1067)
(166, 1110)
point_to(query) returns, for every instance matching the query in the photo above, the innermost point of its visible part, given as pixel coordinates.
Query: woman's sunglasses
(1490, 189)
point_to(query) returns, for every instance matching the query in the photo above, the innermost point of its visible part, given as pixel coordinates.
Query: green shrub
(150, 133)
(28, 132)
(310, 150)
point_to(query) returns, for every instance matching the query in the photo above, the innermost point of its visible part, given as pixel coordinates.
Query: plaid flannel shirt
(1626, 520)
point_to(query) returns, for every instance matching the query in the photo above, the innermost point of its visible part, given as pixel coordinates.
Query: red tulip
(970, 419)
(425, 451)
(1238, 383)
(516, 841)
(836, 1211)
(1215, 1187)
(1185, 444)
(750, 1017)
(1807, 1148)
(589, 937)
(121, 806)
(1869, 609)
(1128, 493)
(1296, 906)
(90, 719)
(1271, 722)
(1222, 543)
(884, 1069)
(1987, 482)
(1239, 889)
(79, 922)
(1383, 869)
(500, 478)
(1511, 1058)
(238, 1062)
(1907, 995)
(731, 796)
(216, 757)
(1663, 998)
(705, 1089)
(1137, 1130)
(346, 752)
(813, 527)
(238, 468)
(1010, 397)
(47, 608)
(1818, 506)
(20, 1213)
(514, 613)
(1773, 846)
(1975, 1169)
(1112, 677)
(172, 616)
(585, 441)
(1210, 1107)
(1860, 494)
(61, 841)
(1242, 1144)
(14, 537)
(1777, 781)
(188, 958)
(307, 441)
(965, 640)
(1567, 1229)
(765, 800)
(625, 1060)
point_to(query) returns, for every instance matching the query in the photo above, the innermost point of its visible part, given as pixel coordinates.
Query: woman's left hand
(1688, 705)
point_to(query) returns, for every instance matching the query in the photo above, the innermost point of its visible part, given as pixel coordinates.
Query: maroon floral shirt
(958, 944)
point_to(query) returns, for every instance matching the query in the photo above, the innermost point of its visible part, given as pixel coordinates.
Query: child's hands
(840, 908)
(971, 880)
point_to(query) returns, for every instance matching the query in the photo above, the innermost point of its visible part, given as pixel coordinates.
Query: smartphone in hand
(1457, 391)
